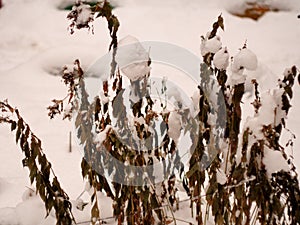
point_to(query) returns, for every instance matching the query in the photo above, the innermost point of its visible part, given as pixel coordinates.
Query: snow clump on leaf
(211, 45)
(221, 59)
(244, 59)
(133, 58)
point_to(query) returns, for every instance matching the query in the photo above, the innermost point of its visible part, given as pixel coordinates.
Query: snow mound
(8, 216)
(221, 59)
(132, 58)
(211, 45)
(244, 59)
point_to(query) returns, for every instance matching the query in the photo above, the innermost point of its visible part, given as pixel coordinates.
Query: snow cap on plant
(245, 58)
(221, 59)
(81, 16)
(175, 126)
(210, 45)
(131, 50)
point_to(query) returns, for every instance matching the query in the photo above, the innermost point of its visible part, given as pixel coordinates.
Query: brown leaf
(13, 126)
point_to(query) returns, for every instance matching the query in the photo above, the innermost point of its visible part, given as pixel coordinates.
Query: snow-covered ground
(35, 42)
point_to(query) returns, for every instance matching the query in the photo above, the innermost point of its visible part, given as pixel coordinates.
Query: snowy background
(35, 44)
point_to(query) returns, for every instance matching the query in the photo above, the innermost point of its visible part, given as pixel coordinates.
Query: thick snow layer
(174, 123)
(270, 113)
(221, 177)
(236, 77)
(221, 59)
(132, 58)
(210, 45)
(274, 161)
(244, 59)
(8, 216)
(84, 14)
(30, 211)
(35, 45)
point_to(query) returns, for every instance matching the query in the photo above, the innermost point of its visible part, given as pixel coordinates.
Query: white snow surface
(133, 58)
(244, 59)
(210, 45)
(35, 45)
(221, 59)
(175, 125)
(274, 161)
(84, 14)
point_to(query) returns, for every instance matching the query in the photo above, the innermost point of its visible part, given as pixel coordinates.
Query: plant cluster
(227, 175)
(247, 193)
(40, 169)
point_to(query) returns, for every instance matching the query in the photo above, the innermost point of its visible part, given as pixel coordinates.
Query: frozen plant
(238, 185)
(243, 185)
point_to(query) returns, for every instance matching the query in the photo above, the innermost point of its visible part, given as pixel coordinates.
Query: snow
(270, 113)
(210, 45)
(101, 137)
(195, 103)
(221, 59)
(274, 161)
(84, 14)
(104, 98)
(23, 214)
(174, 123)
(132, 58)
(244, 59)
(221, 176)
(24, 211)
(236, 77)
(35, 45)
(8, 216)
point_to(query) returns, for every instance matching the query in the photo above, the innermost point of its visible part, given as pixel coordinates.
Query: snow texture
(84, 14)
(101, 137)
(244, 59)
(132, 58)
(221, 177)
(175, 126)
(221, 59)
(210, 45)
(35, 44)
(274, 161)
(8, 216)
